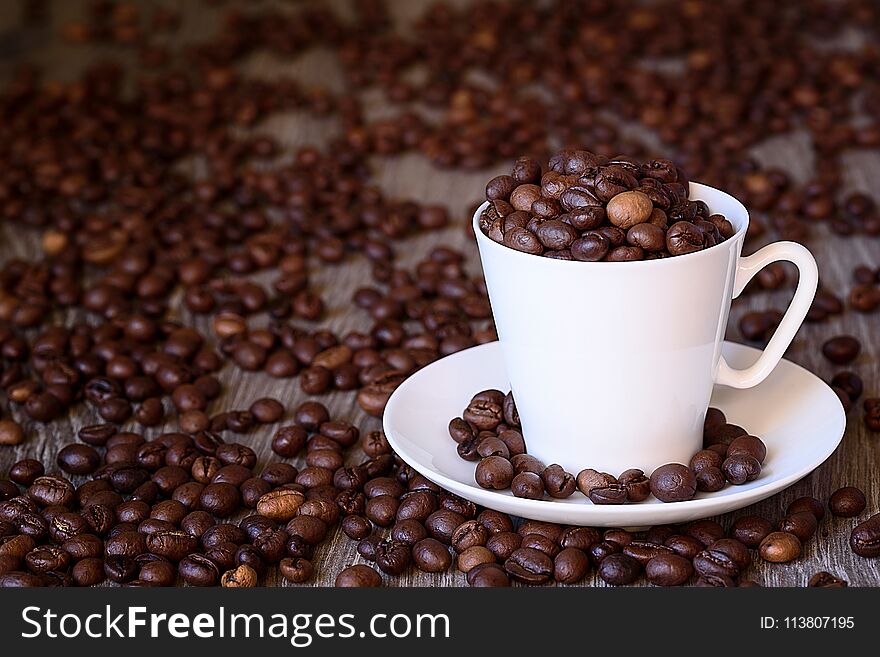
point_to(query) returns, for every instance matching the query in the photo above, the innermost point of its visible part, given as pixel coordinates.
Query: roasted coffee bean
(198, 570)
(173, 544)
(710, 479)
(610, 494)
(667, 569)
(24, 472)
(673, 482)
(847, 502)
(638, 486)
(529, 566)
(296, 570)
(557, 482)
(841, 349)
(503, 544)
(850, 383)
(474, 556)
(51, 491)
(705, 531)
(409, 532)
(734, 549)
(547, 529)
(393, 557)
(579, 537)
(241, 577)
(494, 473)
(751, 530)
(826, 580)
(619, 569)
(740, 468)
(747, 446)
(802, 524)
(488, 575)
(11, 433)
(570, 566)
(542, 543)
(810, 504)
(644, 551)
(431, 556)
(865, 537)
(589, 479)
(358, 576)
(780, 547)
(713, 563)
(442, 524)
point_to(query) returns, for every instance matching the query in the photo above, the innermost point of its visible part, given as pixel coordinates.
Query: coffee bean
(296, 570)
(751, 530)
(847, 502)
(841, 349)
(494, 473)
(802, 524)
(589, 479)
(638, 486)
(748, 446)
(810, 504)
(24, 472)
(442, 524)
(826, 580)
(780, 547)
(668, 570)
(619, 569)
(865, 537)
(529, 566)
(281, 504)
(557, 482)
(570, 566)
(241, 577)
(673, 482)
(198, 570)
(11, 433)
(488, 575)
(740, 468)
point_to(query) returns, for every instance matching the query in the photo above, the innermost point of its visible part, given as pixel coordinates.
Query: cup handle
(791, 321)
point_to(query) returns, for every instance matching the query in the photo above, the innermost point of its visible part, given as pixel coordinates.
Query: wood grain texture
(856, 462)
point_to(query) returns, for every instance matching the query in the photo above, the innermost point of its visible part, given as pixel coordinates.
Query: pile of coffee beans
(590, 207)
(489, 432)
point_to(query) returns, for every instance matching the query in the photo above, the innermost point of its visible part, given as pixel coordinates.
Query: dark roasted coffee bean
(865, 537)
(488, 575)
(529, 566)
(810, 504)
(847, 502)
(673, 482)
(494, 473)
(802, 524)
(751, 530)
(826, 580)
(570, 566)
(841, 349)
(358, 576)
(619, 569)
(705, 531)
(668, 570)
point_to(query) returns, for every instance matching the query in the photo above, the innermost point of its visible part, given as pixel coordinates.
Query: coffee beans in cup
(588, 207)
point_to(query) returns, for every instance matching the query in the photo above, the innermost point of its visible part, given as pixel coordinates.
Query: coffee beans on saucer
(489, 432)
(588, 207)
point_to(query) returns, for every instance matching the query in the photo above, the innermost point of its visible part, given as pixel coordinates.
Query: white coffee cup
(612, 364)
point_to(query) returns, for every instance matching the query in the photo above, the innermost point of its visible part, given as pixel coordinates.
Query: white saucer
(796, 414)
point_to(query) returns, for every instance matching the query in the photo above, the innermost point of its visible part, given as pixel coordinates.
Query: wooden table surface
(856, 462)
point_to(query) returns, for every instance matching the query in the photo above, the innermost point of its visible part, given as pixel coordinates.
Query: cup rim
(695, 187)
